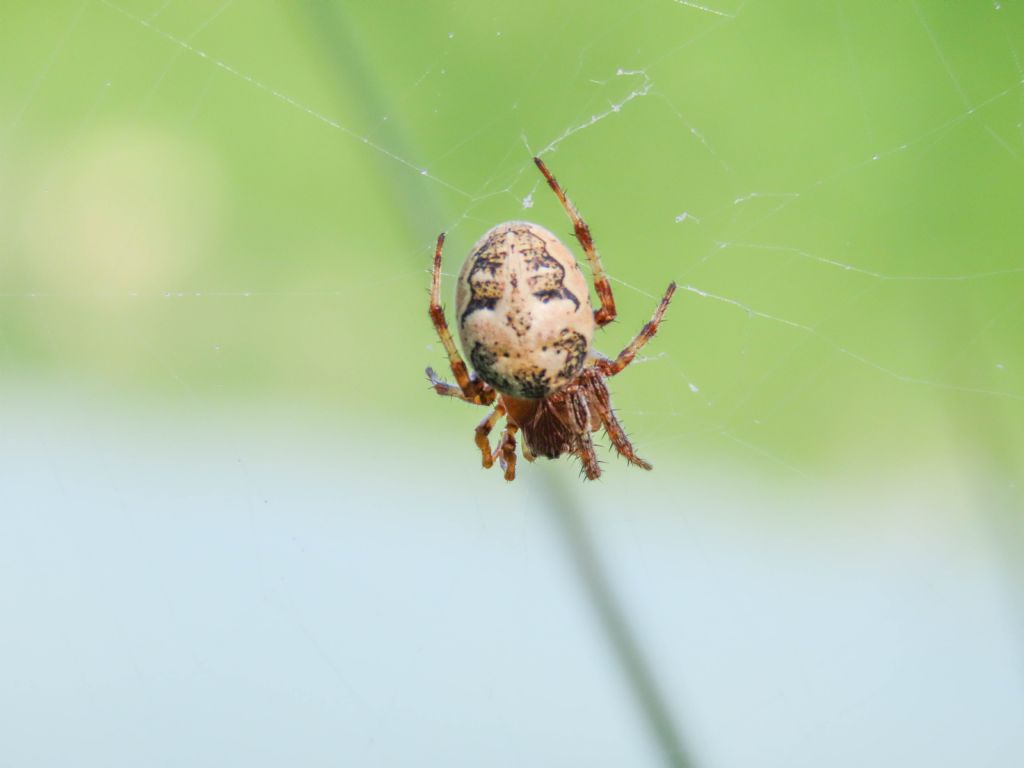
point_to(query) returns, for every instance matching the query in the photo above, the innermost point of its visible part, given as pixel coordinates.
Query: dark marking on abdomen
(547, 281)
(529, 382)
(486, 276)
(575, 347)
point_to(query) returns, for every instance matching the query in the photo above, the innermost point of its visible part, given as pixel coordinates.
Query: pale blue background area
(254, 589)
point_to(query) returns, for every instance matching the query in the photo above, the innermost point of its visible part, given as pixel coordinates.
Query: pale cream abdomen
(524, 313)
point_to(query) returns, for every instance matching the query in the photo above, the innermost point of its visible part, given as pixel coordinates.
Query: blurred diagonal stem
(326, 24)
(613, 621)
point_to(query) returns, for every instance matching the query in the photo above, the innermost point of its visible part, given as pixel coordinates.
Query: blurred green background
(216, 225)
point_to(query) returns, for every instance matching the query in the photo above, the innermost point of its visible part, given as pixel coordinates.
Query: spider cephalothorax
(525, 320)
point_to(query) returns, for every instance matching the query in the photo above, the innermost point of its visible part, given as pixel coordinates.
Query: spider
(524, 317)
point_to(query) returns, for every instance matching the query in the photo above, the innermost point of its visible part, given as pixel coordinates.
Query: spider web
(208, 204)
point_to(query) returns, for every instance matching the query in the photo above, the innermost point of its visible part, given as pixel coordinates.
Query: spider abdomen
(524, 312)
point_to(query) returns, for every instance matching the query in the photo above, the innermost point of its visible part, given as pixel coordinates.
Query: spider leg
(606, 312)
(442, 387)
(474, 390)
(578, 417)
(612, 367)
(505, 453)
(621, 442)
(600, 402)
(483, 429)
(586, 454)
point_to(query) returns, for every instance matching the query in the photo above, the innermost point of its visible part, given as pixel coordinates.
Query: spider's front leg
(606, 312)
(470, 387)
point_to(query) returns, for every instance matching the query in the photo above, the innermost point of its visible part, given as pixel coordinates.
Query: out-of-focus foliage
(220, 202)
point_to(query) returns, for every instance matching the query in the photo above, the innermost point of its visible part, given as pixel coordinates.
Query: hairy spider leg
(600, 403)
(578, 413)
(587, 455)
(472, 389)
(606, 312)
(612, 367)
